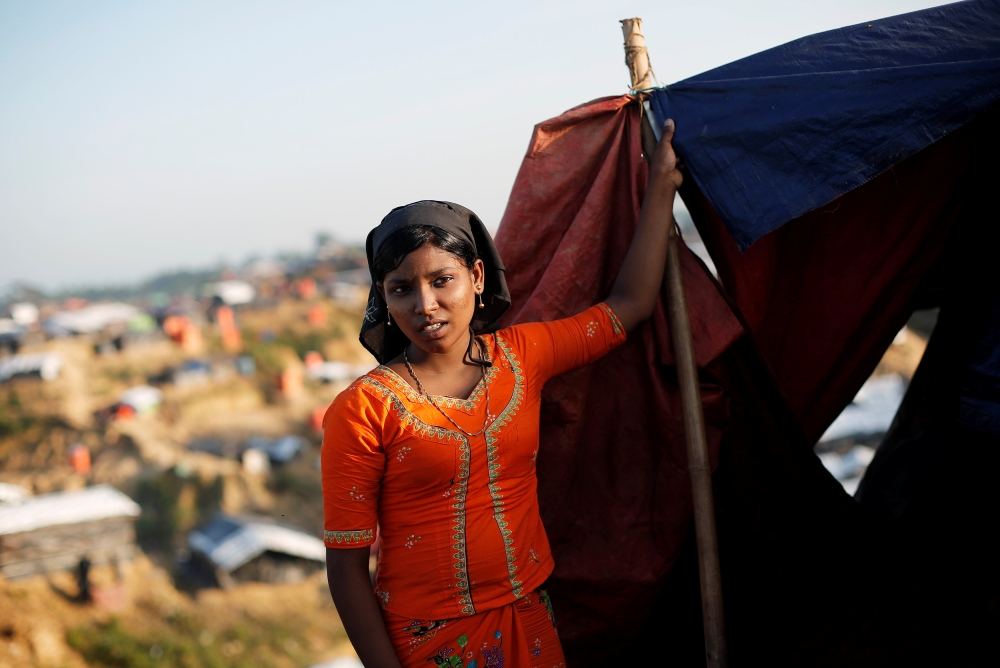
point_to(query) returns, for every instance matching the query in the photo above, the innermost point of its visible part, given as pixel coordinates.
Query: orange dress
(459, 528)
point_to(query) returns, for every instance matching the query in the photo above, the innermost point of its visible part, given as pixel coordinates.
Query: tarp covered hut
(839, 182)
(245, 548)
(55, 531)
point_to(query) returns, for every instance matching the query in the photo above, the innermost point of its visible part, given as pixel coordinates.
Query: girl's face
(432, 297)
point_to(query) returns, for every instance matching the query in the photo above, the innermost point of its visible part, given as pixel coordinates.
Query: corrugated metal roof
(94, 318)
(46, 365)
(230, 541)
(86, 505)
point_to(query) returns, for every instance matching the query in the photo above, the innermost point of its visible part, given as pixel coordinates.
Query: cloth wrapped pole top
(386, 343)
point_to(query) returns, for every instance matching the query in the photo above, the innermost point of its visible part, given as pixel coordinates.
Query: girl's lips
(436, 331)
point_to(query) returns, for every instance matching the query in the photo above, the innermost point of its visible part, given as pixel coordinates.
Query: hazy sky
(142, 136)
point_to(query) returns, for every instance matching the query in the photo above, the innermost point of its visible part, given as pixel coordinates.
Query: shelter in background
(55, 531)
(248, 548)
(233, 292)
(279, 450)
(44, 365)
(11, 335)
(91, 319)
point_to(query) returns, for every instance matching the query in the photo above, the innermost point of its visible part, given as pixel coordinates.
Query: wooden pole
(636, 55)
(699, 469)
(698, 464)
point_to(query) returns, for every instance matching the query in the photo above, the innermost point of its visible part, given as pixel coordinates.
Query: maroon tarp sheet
(614, 485)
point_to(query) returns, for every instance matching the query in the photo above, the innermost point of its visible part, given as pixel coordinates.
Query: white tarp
(11, 493)
(231, 541)
(235, 292)
(141, 398)
(94, 318)
(46, 365)
(86, 505)
(24, 313)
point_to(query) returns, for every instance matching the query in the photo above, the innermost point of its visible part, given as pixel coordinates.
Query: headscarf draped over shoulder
(385, 343)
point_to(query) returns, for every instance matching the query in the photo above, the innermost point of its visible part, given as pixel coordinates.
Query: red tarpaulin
(614, 485)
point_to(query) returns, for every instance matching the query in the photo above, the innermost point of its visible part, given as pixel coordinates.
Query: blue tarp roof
(773, 136)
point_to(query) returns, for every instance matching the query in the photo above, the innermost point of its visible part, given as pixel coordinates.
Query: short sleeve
(353, 461)
(559, 346)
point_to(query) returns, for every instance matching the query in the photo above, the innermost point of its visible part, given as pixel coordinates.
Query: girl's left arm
(634, 293)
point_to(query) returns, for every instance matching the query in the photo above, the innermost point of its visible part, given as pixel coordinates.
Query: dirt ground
(139, 611)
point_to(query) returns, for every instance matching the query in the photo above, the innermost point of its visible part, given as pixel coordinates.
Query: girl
(437, 446)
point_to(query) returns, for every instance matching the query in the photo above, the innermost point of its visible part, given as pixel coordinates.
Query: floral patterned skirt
(519, 635)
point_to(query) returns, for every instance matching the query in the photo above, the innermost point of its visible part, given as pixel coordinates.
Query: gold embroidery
(615, 322)
(401, 454)
(412, 540)
(406, 417)
(359, 536)
(458, 528)
(461, 483)
(413, 397)
(356, 495)
(493, 465)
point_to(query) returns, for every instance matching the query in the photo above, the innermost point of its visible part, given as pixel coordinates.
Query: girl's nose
(426, 302)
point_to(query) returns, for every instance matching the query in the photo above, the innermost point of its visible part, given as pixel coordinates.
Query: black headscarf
(386, 343)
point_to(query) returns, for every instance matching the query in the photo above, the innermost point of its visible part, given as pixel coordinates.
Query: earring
(481, 304)
(388, 319)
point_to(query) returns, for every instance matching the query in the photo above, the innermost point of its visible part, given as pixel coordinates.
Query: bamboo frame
(699, 468)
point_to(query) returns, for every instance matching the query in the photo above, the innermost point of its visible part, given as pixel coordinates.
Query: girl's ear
(478, 272)
(381, 289)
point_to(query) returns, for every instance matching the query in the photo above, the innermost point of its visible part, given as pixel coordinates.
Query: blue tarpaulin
(778, 134)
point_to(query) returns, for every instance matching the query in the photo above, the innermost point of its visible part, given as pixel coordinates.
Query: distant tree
(323, 239)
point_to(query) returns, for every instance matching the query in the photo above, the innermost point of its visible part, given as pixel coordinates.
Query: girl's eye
(399, 289)
(442, 280)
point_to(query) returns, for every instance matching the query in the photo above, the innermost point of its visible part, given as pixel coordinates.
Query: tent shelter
(839, 182)
(55, 531)
(248, 548)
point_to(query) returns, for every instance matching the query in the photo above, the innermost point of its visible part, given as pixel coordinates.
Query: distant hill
(190, 281)
(171, 283)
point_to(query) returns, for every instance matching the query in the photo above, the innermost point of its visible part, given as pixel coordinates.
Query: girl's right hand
(663, 167)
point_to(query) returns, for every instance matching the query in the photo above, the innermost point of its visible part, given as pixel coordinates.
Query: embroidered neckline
(469, 404)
